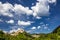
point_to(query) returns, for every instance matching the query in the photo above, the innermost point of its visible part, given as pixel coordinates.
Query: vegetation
(55, 35)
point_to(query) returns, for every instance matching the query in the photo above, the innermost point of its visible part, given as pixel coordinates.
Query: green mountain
(57, 30)
(55, 35)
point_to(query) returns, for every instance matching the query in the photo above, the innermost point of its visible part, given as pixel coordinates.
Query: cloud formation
(4, 9)
(1, 20)
(10, 21)
(40, 9)
(19, 9)
(33, 28)
(24, 23)
(38, 27)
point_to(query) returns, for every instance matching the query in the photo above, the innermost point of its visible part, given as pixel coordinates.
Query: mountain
(56, 30)
(17, 32)
(22, 35)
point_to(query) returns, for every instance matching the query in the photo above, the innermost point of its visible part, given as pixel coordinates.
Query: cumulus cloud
(10, 21)
(4, 9)
(1, 20)
(19, 9)
(37, 17)
(24, 23)
(33, 28)
(40, 9)
(45, 26)
(38, 27)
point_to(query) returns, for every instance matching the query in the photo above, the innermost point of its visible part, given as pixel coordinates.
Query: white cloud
(4, 9)
(1, 20)
(22, 10)
(17, 8)
(40, 9)
(24, 23)
(38, 27)
(10, 21)
(32, 3)
(45, 27)
(38, 17)
(33, 28)
(52, 1)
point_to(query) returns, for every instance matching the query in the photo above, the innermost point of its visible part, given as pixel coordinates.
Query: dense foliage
(55, 35)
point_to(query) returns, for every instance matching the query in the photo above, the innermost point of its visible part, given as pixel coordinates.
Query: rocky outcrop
(17, 32)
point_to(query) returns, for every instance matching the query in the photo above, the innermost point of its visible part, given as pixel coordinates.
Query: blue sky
(34, 16)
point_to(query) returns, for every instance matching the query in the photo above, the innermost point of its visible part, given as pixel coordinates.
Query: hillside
(55, 35)
(56, 30)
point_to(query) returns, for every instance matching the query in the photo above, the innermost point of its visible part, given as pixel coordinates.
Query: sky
(33, 16)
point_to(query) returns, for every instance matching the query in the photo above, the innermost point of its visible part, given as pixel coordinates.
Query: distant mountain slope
(56, 29)
(22, 35)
